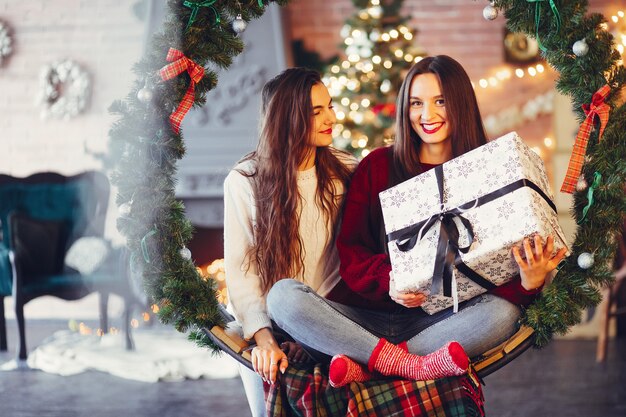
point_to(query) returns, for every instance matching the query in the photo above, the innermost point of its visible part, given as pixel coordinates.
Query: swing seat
(230, 341)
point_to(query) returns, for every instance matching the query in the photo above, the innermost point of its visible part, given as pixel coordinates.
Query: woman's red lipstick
(431, 131)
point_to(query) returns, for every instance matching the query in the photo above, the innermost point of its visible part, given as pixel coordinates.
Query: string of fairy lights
(358, 55)
(214, 270)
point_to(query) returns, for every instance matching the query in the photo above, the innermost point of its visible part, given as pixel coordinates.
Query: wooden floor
(560, 380)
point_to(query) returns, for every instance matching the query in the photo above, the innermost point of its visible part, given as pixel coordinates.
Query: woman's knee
(285, 294)
(503, 310)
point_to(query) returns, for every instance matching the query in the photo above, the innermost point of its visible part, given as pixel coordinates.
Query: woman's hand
(295, 353)
(537, 263)
(267, 357)
(406, 299)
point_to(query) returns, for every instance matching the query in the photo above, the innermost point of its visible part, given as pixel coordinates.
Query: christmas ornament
(239, 25)
(64, 89)
(185, 253)
(124, 209)
(585, 260)
(580, 47)
(6, 47)
(490, 12)
(179, 64)
(581, 185)
(145, 95)
(597, 108)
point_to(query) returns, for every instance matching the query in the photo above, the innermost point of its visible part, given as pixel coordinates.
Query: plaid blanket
(307, 393)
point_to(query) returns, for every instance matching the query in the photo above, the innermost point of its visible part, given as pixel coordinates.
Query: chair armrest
(229, 340)
(496, 358)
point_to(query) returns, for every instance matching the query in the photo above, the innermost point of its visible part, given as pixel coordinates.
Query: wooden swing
(228, 339)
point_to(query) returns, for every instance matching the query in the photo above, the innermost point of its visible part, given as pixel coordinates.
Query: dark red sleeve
(513, 292)
(365, 266)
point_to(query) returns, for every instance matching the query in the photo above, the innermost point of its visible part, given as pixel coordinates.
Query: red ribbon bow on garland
(597, 108)
(179, 64)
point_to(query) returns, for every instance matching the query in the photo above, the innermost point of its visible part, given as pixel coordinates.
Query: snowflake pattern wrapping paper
(499, 192)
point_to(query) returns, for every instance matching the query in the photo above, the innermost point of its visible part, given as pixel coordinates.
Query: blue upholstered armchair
(44, 217)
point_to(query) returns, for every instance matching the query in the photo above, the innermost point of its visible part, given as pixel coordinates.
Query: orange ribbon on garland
(597, 108)
(179, 64)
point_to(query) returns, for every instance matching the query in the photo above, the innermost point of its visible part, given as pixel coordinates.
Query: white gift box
(498, 191)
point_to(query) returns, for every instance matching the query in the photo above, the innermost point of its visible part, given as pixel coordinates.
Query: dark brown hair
(286, 126)
(465, 123)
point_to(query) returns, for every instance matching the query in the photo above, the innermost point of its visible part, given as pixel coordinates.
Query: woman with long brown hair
(372, 323)
(281, 206)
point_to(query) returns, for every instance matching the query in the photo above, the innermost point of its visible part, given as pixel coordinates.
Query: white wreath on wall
(6, 42)
(64, 89)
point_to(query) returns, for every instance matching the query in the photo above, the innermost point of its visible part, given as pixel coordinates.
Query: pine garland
(145, 151)
(574, 289)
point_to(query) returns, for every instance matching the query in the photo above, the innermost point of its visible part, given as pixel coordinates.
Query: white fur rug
(159, 355)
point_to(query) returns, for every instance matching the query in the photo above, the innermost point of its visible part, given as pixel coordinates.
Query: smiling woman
(156, 227)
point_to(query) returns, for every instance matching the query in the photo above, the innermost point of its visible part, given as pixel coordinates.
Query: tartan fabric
(306, 392)
(597, 108)
(179, 64)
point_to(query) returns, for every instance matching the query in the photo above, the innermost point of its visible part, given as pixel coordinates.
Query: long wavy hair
(463, 114)
(286, 126)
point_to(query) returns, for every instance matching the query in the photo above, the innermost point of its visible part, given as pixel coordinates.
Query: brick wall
(451, 27)
(105, 38)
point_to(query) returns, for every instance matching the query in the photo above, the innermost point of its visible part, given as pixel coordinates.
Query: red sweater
(365, 266)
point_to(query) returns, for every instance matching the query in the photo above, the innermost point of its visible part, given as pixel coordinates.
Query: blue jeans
(332, 328)
(253, 387)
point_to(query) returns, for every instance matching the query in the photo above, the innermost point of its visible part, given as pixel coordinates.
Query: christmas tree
(379, 49)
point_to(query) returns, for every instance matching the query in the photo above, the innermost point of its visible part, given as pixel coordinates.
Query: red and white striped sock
(389, 359)
(344, 370)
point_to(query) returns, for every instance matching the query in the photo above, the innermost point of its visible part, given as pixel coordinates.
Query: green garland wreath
(145, 148)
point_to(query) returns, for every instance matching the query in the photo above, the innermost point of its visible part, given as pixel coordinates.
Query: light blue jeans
(332, 328)
(253, 387)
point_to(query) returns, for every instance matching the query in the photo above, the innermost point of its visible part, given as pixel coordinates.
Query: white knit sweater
(321, 261)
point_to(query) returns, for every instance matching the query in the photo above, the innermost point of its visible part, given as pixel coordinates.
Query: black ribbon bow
(448, 246)
(448, 251)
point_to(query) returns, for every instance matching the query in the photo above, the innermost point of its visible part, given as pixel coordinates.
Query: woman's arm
(365, 266)
(535, 267)
(242, 280)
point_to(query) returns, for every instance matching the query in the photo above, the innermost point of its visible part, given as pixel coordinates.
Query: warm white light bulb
(548, 142)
